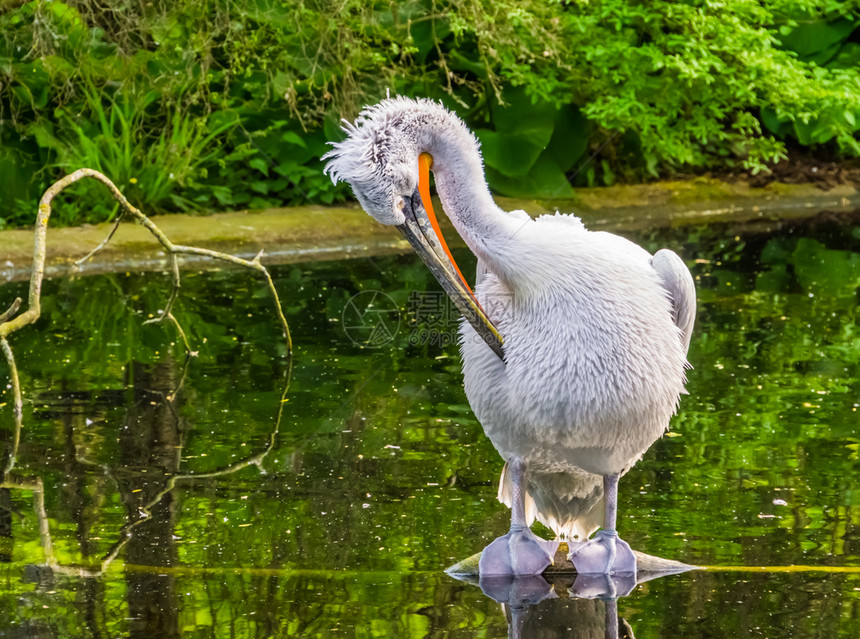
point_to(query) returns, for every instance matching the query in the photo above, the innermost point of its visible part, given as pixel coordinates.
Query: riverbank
(312, 233)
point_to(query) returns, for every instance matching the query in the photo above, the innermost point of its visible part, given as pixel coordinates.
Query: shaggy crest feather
(378, 158)
(377, 136)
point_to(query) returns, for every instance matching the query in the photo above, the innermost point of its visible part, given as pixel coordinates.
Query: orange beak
(422, 231)
(425, 163)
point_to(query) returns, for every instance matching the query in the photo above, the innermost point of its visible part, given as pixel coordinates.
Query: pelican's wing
(678, 281)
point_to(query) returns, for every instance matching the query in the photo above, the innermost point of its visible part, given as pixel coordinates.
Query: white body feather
(594, 363)
(594, 366)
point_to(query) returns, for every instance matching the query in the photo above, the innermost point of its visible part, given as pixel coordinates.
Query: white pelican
(579, 361)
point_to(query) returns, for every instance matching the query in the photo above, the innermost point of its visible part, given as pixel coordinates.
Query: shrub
(214, 104)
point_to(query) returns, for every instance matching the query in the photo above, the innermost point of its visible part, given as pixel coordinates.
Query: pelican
(574, 343)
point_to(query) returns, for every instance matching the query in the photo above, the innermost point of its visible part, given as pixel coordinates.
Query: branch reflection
(151, 437)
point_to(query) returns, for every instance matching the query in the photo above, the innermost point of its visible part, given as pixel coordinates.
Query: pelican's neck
(463, 190)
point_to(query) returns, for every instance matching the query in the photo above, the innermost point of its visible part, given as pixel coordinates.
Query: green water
(184, 513)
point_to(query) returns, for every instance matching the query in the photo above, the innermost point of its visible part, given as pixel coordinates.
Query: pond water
(157, 497)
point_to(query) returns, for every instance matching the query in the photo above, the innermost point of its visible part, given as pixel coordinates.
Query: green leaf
(847, 58)
(291, 137)
(168, 31)
(773, 280)
(426, 33)
(520, 112)
(511, 154)
(260, 164)
(813, 39)
(816, 131)
(523, 131)
(332, 128)
(260, 186)
(569, 137)
(43, 131)
(281, 82)
(546, 179)
(459, 62)
(778, 126)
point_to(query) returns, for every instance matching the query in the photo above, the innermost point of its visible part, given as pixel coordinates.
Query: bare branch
(9, 323)
(167, 311)
(18, 407)
(33, 311)
(182, 335)
(125, 533)
(104, 242)
(11, 310)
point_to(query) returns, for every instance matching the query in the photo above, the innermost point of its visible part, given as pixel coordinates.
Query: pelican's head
(384, 159)
(379, 158)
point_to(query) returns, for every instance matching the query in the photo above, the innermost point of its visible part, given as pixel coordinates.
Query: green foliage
(229, 103)
(832, 112)
(689, 79)
(532, 146)
(157, 164)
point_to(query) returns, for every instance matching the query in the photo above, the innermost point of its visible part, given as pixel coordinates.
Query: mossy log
(312, 233)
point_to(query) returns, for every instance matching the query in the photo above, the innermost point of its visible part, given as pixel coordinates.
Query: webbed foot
(603, 554)
(520, 552)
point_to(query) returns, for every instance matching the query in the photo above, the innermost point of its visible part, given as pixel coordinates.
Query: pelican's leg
(605, 553)
(520, 552)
